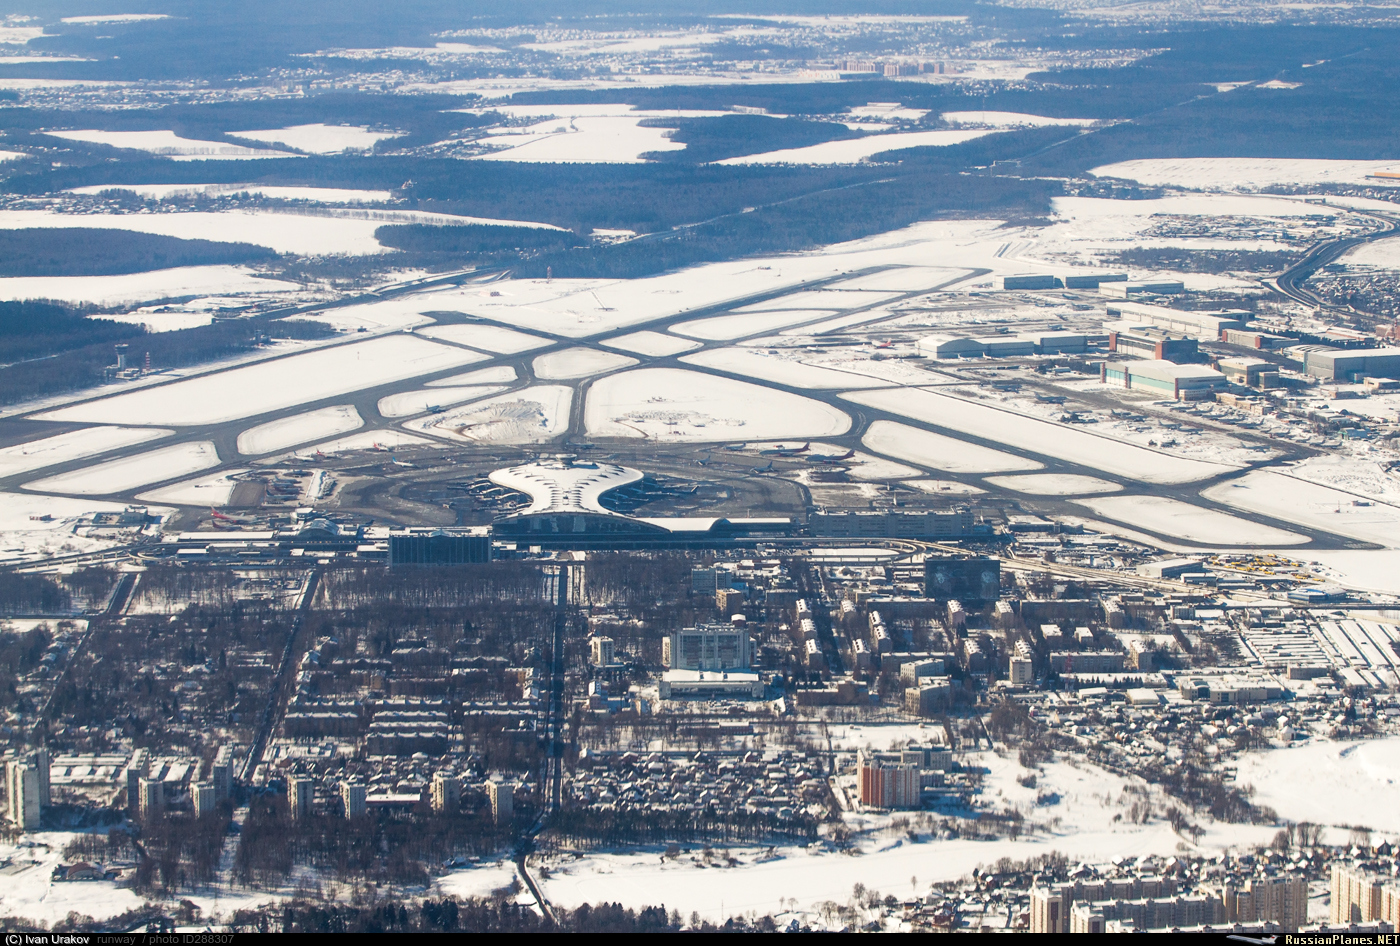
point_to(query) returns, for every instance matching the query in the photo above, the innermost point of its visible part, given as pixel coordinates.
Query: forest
(100, 252)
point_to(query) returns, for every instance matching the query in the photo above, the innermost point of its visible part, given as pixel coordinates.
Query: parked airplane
(786, 451)
(829, 460)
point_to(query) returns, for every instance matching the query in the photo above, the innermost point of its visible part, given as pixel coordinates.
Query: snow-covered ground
(1318, 507)
(492, 338)
(534, 415)
(301, 428)
(273, 385)
(1328, 783)
(674, 405)
(1038, 436)
(1183, 521)
(578, 363)
(408, 403)
(142, 287)
(319, 195)
(744, 324)
(168, 144)
(319, 138)
(655, 344)
(32, 892)
(72, 445)
(215, 490)
(939, 452)
(1055, 484)
(619, 139)
(855, 150)
(118, 476)
(23, 537)
(1244, 174)
(780, 366)
(497, 374)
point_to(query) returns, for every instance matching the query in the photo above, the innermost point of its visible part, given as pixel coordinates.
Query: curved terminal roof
(559, 488)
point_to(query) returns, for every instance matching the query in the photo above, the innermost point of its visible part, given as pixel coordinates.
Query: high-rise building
(352, 799)
(205, 798)
(502, 795)
(1281, 900)
(40, 759)
(1050, 908)
(1359, 896)
(602, 651)
(135, 772)
(1083, 918)
(22, 788)
(1021, 671)
(889, 784)
(447, 792)
(151, 798)
(221, 773)
(299, 792)
(708, 647)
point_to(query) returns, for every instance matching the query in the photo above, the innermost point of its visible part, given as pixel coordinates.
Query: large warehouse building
(1180, 382)
(1205, 326)
(1353, 365)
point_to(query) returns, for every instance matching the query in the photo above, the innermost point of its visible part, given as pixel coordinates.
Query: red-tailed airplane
(822, 458)
(786, 451)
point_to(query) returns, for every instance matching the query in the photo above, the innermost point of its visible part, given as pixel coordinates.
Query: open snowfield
(676, 406)
(31, 891)
(409, 403)
(780, 367)
(212, 490)
(168, 144)
(496, 374)
(319, 195)
(142, 287)
(902, 279)
(302, 428)
(1380, 254)
(612, 139)
(273, 385)
(161, 321)
(655, 344)
(319, 138)
(1038, 436)
(119, 476)
(938, 452)
(367, 440)
(744, 324)
(855, 150)
(1369, 570)
(533, 415)
(837, 297)
(578, 363)
(1243, 174)
(72, 445)
(492, 338)
(1329, 783)
(22, 538)
(1055, 484)
(481, 880)
(1317, 507)
(887, 860)
(1188, 523)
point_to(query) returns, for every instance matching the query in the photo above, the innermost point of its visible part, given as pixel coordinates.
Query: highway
(1290, 281)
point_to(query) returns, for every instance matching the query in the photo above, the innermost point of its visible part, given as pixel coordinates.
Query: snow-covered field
(675, 405)
(1038, 436)
(319, 138)
(1243, 174)
(939, 452)
(1188, 523)
(301, 428)
(744, 324)
(854, 150)
(409, 403)
(533, 415)
(212, 490)
(72, 445)
(142, 287)
(319, 195)
(496, 374)
(610, 139)
(168, 144)
(118, 476)
(1055, 484)
(24, 538)
(779, 367)
(273, 385)
(578, 363)
(1328, 783)
(655, 344)
(492, 338)
(1317, 507)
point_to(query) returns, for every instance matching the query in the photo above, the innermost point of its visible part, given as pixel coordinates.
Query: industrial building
(1354, 365)
(1250, 372)
(1246, 338)
(1128, 339)
(1024, 281)
(1088, 281)
(439, 546)
(1126, 290)
(1206, 326)
(891, 524)
(992, 346)
(708, 647)
(1057, 343)
(1164, 378)
(710, 685)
